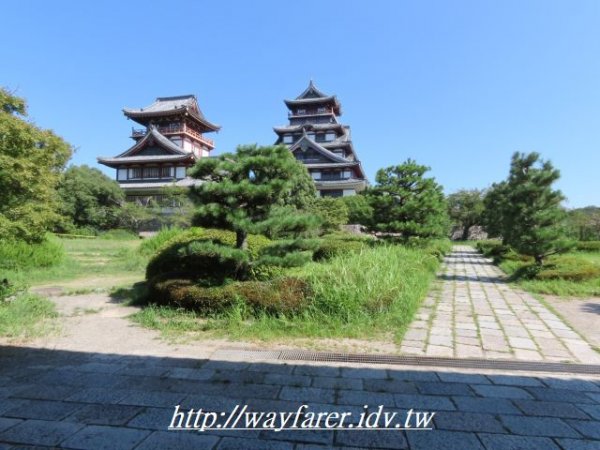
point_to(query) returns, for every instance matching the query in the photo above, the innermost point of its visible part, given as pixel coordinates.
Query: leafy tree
(333, 212)
(465, 208)
(90, 198)
(133, 215)
(257, 190)
(359, 209)
(405, 201)
(31, 161)
(529, 209)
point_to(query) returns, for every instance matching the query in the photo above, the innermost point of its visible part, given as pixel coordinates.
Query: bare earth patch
(582, 315)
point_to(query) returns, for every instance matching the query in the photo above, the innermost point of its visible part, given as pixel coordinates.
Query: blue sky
(456, 85)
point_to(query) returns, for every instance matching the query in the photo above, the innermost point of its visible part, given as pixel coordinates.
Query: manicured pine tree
(405, 201)
(257, 190)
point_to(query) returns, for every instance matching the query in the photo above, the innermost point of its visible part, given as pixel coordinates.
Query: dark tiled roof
(308, 126)
(313, 96)
(319, 148)
(173, 152)
(164, 106)
(116, 162)
(154, 135)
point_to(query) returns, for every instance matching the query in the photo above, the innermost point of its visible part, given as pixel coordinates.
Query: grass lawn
(104, 260)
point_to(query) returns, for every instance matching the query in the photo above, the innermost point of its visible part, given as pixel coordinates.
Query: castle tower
(170, 142)
(324, 145)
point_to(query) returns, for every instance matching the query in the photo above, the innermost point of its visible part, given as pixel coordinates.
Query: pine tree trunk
(241, 239)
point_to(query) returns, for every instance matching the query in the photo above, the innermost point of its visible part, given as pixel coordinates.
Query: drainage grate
(304, 355)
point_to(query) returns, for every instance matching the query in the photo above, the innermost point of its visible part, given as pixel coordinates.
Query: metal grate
(304, 355)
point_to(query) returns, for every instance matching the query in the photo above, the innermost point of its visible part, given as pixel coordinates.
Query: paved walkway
(57, 398)
(474, 313)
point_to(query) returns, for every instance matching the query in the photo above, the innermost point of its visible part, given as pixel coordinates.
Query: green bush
(335, 247)
(282, 295)
(340, 243)
(587, 246)
(207, 255)
(18, 255)
(332, 212)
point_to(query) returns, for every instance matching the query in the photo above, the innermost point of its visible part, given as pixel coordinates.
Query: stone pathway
(474, 313)
(87, 400)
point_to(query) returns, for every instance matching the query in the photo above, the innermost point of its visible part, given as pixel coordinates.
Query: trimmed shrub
(587, 246)
(341, 243)
(283, 295)
(186, 294)
(206, 255)
(330, 248)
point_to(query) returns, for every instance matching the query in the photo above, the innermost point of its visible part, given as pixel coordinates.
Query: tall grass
(149, 246)
(26, 316)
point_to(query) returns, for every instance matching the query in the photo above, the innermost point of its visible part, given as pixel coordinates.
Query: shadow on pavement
(90, 400)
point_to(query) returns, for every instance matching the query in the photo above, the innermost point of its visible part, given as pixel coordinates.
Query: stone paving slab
(475, 409)
(473, 313)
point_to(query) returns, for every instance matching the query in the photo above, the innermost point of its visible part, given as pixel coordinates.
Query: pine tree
(405, 201)
(533, 216)
(257, 190)
(495, 210)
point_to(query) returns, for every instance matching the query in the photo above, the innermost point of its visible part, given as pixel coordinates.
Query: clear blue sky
(456, 85)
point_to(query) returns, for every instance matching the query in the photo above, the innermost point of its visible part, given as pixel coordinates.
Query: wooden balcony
(175, 129)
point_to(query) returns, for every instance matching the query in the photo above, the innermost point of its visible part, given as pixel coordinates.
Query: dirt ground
(583, 315)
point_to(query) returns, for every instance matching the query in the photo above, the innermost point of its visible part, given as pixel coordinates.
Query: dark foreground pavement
(52, 398)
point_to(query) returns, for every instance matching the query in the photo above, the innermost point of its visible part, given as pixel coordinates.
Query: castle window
(135, 172)
(288, 139)
(151, 172)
